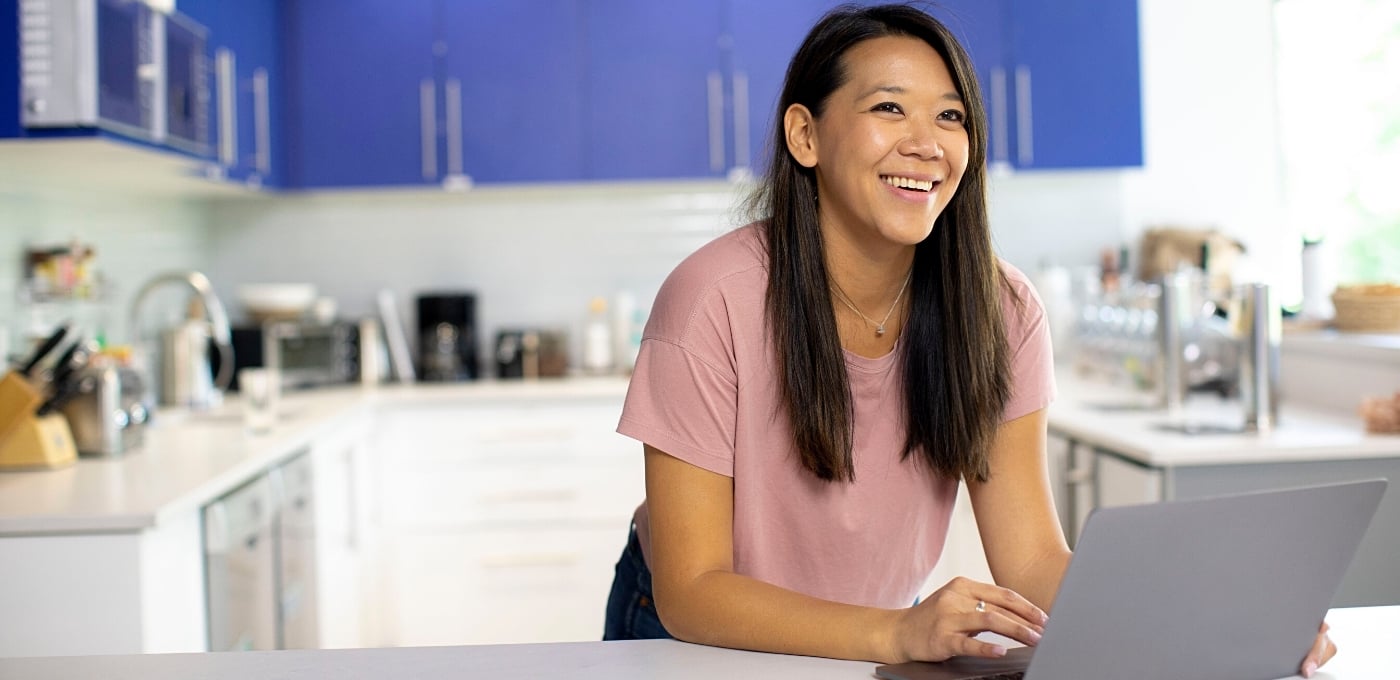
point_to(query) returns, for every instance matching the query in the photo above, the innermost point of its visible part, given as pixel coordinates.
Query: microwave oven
(305, 354)
(116, 65)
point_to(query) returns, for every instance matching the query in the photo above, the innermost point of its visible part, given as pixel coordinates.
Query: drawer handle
(531, 560)
(529, 435)
(531, 496)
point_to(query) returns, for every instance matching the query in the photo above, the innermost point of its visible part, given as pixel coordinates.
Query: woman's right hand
(946, 623)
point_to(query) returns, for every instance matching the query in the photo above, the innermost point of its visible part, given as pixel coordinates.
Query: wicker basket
(1368, 309)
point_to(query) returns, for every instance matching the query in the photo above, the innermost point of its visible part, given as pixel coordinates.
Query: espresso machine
(447, 347)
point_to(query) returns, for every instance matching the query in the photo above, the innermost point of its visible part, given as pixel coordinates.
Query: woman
(811, 387)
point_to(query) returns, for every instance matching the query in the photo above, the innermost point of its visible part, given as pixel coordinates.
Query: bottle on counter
(597, 339)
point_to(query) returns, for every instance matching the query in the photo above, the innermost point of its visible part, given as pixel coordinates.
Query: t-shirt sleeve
(681, 405)
(1032, 357)
(683, 396)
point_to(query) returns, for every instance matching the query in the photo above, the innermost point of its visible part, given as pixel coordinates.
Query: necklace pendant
(880, 330)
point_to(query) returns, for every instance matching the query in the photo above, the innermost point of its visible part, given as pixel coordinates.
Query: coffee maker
(447, 346)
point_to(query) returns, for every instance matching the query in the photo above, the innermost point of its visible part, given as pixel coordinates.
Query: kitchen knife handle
(51, 342)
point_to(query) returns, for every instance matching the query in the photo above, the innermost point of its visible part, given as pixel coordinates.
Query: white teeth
(907, 183)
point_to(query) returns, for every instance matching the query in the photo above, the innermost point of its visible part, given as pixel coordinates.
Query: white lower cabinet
(501, 523)
(501, 585)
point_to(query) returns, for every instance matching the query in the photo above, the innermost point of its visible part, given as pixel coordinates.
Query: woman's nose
(922, 142)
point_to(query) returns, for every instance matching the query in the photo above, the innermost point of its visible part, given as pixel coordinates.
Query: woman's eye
(953, 115)
(888, 107)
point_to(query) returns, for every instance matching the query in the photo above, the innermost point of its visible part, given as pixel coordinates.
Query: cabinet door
(764, 37)
(980, 26)
(514, 90)
(253, 30)
(655, 92)
(1075, 83)
(366, 106)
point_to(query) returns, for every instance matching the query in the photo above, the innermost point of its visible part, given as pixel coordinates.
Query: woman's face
(891, 145)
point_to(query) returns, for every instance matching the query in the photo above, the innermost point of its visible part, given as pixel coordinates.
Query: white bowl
(266, 301)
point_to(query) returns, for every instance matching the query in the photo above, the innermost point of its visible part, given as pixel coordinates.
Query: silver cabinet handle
(715, 99)
(453, 92)
(1001, 131)
(427, 113)
(1025, 146)
(262, 121)
(225, 68)
(741, 120)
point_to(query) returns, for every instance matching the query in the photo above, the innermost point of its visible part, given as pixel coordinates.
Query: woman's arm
(1015, 511)
(700, 599)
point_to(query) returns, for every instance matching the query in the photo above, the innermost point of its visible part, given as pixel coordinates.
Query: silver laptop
(1231, 587)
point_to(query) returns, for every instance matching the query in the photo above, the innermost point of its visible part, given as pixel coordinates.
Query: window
(1338, 67)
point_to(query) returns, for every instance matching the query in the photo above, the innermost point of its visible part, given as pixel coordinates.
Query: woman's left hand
(1322, 650)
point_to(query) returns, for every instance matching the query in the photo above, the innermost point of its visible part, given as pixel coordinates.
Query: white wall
(534, 256)
(1210, 128)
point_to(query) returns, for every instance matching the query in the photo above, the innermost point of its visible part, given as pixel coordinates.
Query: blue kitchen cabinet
(654, 107)
(1075, 83)
(513, 87)
(763, 37)
(246, 88)
(363, 104)
(9, 70)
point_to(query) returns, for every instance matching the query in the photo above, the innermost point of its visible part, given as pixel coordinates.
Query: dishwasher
(240, 583)
(260, 562)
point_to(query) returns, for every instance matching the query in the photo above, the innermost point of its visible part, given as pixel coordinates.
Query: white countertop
(1365, 637)
(189, 459)
(1125, 421)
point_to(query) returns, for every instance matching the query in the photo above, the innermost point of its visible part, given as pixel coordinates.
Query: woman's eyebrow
(951, 95)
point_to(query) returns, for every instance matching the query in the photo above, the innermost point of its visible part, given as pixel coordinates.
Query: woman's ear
(800, 130)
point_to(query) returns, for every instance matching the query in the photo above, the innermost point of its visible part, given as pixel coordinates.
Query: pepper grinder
(1259, 327)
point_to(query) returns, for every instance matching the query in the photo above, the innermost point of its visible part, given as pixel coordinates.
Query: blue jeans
(631, 613)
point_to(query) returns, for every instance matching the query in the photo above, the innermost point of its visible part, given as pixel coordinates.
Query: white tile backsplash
(133, 237)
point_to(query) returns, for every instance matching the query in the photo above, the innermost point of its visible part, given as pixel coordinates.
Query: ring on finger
(981, 606)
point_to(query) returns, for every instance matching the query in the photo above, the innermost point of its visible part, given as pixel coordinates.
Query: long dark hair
(954, 348)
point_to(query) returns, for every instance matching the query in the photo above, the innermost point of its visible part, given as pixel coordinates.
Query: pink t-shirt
(705, 390)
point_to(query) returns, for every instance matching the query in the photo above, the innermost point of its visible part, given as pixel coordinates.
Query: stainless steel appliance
(260, 562)
(240, 579)
(185, 367)
(447, 348)
(308, 354)
(114, 64)
(293, 483)
(108, 416)
(531, 354)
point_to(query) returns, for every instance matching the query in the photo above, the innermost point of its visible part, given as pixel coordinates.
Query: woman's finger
(1321, 651)
(1006, 622)
(974, 647)
(1013, 604)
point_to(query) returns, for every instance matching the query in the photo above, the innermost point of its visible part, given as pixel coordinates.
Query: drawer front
(538, 432)
(501, 586)
(471, 492)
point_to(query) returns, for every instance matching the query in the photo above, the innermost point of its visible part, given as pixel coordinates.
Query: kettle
(185, 374)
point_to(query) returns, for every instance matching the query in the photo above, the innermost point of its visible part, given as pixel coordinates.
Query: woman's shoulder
(724, 273)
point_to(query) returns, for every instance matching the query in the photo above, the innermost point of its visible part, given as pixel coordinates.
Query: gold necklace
(879, 327)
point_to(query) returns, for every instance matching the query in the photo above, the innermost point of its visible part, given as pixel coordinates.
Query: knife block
(37, 442)
(17, 399)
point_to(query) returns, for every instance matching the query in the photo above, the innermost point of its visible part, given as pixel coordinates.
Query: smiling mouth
(908, 184)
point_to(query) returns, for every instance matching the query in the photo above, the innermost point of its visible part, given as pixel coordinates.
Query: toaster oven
(305, 354)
